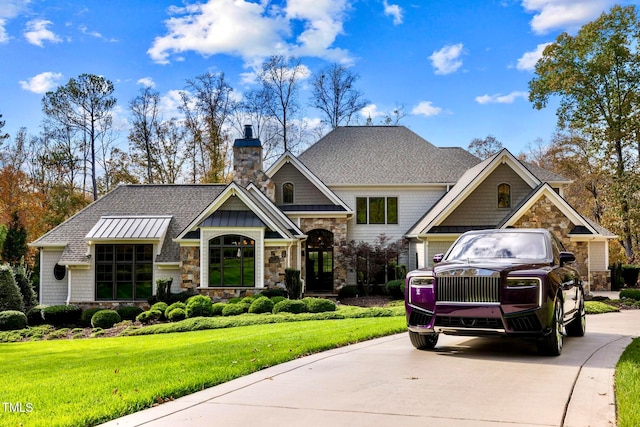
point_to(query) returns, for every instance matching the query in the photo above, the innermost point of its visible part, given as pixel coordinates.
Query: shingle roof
(181, 202)
(379, 155)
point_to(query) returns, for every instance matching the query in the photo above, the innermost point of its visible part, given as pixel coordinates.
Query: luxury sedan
(511, 282)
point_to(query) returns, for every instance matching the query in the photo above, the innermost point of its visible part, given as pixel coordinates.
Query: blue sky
(460, 68)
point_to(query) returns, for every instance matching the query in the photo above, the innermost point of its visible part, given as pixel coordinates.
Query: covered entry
(319, 261)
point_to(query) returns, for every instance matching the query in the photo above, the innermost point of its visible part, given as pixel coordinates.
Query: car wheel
(578, 325)
(551, 345)
(423, 341)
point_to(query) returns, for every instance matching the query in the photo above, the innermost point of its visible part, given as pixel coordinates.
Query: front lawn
(88, 381)
(627, 383)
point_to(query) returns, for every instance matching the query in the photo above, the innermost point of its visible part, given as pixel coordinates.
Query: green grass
(598, 307)
(627, 383)
(86, 382)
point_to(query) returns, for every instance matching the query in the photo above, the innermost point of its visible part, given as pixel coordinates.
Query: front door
(319, 261)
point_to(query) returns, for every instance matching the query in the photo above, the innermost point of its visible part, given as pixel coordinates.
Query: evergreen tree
(22, 277)
(10, 297)
(14, 247)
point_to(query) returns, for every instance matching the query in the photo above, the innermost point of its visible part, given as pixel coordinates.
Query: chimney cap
(248, 140)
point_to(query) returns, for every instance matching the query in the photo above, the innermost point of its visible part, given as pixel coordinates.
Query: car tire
(551, 345)
(578, 325)
(423, 341)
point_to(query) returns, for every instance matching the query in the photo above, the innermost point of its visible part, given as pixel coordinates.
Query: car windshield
(529, 246)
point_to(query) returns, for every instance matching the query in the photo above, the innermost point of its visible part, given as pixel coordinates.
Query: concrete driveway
(386, 382)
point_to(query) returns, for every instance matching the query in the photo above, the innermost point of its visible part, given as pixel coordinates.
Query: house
(352, 185)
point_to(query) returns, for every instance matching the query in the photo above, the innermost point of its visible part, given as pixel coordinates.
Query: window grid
(376, 210)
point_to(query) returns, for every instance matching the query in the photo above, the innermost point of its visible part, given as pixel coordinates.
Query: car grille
(528, 323)
(468, 289)
(420, 318)
(469, 322)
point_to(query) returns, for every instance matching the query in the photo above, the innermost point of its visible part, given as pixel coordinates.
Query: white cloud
(253, 31)
(564, 15)
(372, 111)
(42, 82)
(447, 60)
(425, 108)
(4, 37)
(501, 99)
(528, 61)
(147, 82)
(394, 11)
(9, 9)
(36, 32)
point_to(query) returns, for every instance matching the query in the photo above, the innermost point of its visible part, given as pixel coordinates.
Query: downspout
(68, 285)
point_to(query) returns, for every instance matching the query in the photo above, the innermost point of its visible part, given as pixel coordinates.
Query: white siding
(82, 284)
(163, 273)
(412, 205)
(598, 256)
(52, 291)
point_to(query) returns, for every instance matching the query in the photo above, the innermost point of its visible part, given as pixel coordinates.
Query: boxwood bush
(395, 289)
(199, 305)
(290, 306)
(129, 312)
(12, 320)
(319, 305)
(234, 309)
(217, 308)
(172, 307)
(277, 299)
(161, 306)
(177, 314)
(62, 315)
(149, 316)
(261, 305)
(87, 315)
(34, 315)
(105, 319)
(630, 294)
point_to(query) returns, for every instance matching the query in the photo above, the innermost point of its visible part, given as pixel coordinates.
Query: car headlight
(422, 282)
(522, 282)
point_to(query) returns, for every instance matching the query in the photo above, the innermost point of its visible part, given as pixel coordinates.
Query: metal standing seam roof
(232, 219)
(129, 227)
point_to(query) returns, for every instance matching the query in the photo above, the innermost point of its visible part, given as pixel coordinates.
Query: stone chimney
(247, 164)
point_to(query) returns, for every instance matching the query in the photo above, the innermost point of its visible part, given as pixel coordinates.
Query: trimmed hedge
(234, 309)
(630, 294)
(217, 308)
(177, 314)
(172, 307)
(161, 306)
(261, 305)
(87, 315)
(199, 305)
(34, 316)
(12, 320)
(62, 315)
(105, 319)
(395, 289)
(319, 305)
(290, 306)
(129, 312)
(149, 316)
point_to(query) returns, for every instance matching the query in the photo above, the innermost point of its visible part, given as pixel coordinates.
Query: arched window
(232, 261)
(287, 192)
(504, 195)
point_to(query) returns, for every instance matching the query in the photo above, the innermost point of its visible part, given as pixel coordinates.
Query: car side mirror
(437, 258)
(566, 257)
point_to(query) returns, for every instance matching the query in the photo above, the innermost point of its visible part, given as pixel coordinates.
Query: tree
(596, 74)
(3, 136)
(15, 247)
(144, 129)
(10, 297)
(280, 77)
(84, 104)
(22, 276)
(335, 95)
(484, 148)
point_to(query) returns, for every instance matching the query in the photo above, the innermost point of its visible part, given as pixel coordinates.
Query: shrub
(87, 315)
(173, 306)
(10, 296)
(290, 306)
(62, 315)
(248, 300)
(149, 316)
(22, 278)
(129, 312)
(180, 296)
(395, 289)
(630, 274)
(199, 305)
(277, 299)
(217, 308)
(348, 292)
(234, 309)
(292, 282)
(274, 292)
(160, 306)
(630, 293)
(105, 319)
(177, 314)
(12, 320)
(261, 305)
(34, 316)
(163, 289)
(319, 305)
(234, 300)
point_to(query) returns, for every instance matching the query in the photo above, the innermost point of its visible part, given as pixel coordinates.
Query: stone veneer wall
(247, 168)
(275, 261)
(190, 267)
(545, 214)
(338, 226)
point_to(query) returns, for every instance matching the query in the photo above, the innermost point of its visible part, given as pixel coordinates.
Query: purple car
(511, 282)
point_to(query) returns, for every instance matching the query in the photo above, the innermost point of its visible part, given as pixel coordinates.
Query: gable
(305, 192)
(480, 207)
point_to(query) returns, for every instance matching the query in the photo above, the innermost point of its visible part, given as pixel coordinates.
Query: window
(59, 271)
(232, 261)
(504, 196)
(377, 210)
(287, 192)
(124, 272)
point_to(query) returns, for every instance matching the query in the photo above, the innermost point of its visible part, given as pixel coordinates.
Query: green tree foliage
(15, 247)
(84, 104)
(10, 297)
(596, 75)
(22, 277)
